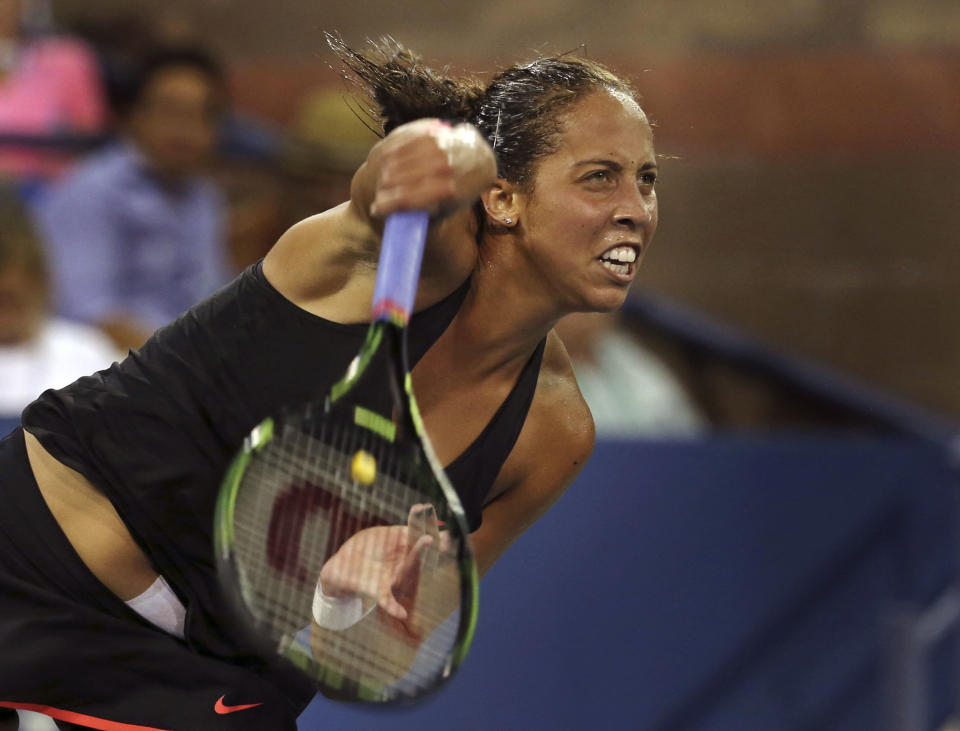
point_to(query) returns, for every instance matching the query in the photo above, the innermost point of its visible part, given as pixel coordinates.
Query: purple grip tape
(399, 267)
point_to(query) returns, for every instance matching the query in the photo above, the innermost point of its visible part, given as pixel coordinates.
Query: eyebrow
(613, 164)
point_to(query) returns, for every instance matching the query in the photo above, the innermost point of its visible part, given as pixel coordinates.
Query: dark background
(810, 189)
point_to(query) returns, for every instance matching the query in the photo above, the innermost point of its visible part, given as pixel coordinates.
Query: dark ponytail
(520, 111)
(399, 88)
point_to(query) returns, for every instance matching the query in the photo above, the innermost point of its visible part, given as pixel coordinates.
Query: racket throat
(376, 386)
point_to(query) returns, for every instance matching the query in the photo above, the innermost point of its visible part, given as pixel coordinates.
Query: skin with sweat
(592, 195)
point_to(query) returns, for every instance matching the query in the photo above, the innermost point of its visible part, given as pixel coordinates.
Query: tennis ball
(363, 469)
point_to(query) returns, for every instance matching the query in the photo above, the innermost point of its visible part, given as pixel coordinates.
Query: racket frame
(397, 277)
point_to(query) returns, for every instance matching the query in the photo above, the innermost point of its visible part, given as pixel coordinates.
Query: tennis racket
(342, 542)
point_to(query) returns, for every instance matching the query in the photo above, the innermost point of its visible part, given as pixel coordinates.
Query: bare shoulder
(558, 414)
(554, 445)
(556, 374)
(558, 434)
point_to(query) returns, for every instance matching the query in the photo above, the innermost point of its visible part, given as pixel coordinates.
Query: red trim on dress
(79, 718)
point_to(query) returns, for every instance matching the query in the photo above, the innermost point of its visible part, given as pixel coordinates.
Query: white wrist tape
(337, 613)
(161, 607)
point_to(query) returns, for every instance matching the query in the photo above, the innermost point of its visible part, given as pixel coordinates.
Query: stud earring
(508, 221)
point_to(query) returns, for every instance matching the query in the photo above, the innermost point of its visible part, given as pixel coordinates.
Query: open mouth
(620, 260)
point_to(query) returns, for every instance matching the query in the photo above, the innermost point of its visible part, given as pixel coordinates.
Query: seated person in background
(630, 391)
(328, 141)
(37, 352)
(136, 234)
(120, 36)
(49, 85)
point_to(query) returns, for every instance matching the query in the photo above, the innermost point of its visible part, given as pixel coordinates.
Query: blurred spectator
(136, 232)
(120, 36)
(49, 85)
(332, 133)
(327, 143)
(246, 170)
(629, 390)
(272, 179)
(256, 198)
(36, 351)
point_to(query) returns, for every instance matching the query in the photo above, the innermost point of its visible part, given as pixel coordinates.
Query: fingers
(392, 607)
(446, 546)
(408, 574)
(429, 165)
(432, 524)
(422, 520)
(418, 177)
(402, 591)
(403, 628)
(398, 601)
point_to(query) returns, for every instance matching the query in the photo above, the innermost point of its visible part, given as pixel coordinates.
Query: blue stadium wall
(731, 584)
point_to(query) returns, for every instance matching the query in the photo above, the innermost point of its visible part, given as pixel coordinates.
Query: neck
(503, 317)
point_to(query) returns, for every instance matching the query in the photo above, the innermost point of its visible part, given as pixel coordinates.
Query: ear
(502, 203)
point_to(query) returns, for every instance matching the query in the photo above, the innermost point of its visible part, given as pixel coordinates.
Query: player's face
(593, 209)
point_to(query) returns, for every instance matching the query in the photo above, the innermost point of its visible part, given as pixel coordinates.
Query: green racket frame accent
(386, 428)
(468, 569)
(227, 499)
(375, 422)
(358, 365)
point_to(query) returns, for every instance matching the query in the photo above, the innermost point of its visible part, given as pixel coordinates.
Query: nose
(637, 210)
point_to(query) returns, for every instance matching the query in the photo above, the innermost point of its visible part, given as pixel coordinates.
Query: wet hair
(163, 58)
(519, 111)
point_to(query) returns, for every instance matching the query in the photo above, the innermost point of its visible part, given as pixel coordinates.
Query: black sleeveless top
(156, 432)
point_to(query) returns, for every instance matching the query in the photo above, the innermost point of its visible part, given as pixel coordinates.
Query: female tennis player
(544, 204)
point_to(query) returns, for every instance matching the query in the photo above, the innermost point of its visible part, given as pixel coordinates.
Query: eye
(648, 179)
(600, 179)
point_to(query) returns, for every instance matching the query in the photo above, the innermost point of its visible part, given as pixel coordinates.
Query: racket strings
(299, 481)
(369, 658)
(305, 506)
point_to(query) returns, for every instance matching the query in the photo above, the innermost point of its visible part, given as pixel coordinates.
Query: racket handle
(398, 271)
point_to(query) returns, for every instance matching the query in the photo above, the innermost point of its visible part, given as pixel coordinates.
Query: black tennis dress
(155, 434)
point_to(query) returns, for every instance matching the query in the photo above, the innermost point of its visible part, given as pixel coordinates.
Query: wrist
(337, 613)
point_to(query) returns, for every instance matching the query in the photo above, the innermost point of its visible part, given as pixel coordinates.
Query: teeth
(616, 268)
(621, 253)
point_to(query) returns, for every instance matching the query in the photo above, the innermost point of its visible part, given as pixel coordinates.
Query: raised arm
(327, 263)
